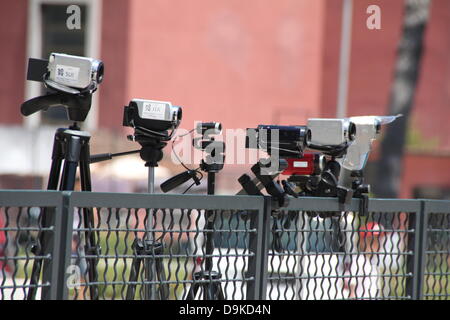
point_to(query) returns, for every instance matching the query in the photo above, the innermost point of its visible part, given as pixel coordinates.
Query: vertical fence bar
(254, 262)
(265, 233)
(421, 249)
(414, 262)
(65, 240)
(51, 247)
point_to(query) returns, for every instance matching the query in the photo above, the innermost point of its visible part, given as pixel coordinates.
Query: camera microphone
(179, 179)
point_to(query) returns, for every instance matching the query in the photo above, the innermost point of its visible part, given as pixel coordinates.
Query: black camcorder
(287, 141)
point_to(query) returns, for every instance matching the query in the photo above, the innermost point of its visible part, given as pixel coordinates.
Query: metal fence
(138, 246)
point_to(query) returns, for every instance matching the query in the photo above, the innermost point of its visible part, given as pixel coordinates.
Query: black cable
(173, 151)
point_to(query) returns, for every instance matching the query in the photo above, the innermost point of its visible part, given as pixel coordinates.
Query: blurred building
(243, 63)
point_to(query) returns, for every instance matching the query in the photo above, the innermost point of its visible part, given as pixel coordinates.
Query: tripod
(209, 280)
(147, 251)
(71, 146)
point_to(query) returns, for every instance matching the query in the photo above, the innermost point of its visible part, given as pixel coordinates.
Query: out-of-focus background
(242, 63)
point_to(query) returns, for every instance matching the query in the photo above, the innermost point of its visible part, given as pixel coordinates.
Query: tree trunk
(406, 74)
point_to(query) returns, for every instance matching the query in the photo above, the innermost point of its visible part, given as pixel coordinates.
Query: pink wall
(373, 57)
(239, 62)
(424, 170)
(114, 54)
(432, 109)
(13, 27)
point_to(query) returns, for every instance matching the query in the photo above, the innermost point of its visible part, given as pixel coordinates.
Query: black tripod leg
(134, 274)
(91, 245)
(57, 157)
(219, 292)
(213, 291)
(163, 286)
(192, 291)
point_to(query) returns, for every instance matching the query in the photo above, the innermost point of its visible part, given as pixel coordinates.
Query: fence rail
(139, 246)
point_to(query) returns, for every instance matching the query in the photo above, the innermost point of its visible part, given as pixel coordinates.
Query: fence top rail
(226, 202)
(375, 205)
(437, 206)
(30, 198)
(166, 201)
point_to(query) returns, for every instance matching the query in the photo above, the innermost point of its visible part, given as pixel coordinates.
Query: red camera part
(307, 165)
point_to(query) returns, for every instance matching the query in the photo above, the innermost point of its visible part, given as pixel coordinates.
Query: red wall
(13, 27)
(239, 62)
(114, 54)
(432, 108)
(424, 170)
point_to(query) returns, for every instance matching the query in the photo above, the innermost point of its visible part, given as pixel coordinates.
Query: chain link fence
(62, 245)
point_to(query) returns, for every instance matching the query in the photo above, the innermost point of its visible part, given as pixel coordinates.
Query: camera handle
(77, 106)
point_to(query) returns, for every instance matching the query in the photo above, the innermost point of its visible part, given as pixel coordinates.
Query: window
(56, 37)
(48, 32)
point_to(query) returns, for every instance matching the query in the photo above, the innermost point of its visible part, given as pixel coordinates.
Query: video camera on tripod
(70, 82)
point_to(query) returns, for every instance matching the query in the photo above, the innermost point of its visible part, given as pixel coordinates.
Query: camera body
(309, 164)
(152, 115)
(331, 132)
(289, 141)
(74, 71)
(70, 80)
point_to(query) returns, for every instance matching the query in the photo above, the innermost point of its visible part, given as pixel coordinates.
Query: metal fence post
(51, 247)
(265, 234)
(255, 248)
(414, 262)
(65, 231)
(421, 248)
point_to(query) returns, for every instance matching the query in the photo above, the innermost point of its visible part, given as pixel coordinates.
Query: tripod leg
(57, 157)
(219, 292)
(163, 285)
(192, 291)
(134, 274)
(88, 216)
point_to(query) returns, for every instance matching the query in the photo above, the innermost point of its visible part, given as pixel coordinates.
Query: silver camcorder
(74, 71)
(70, 80)
(368, 129)
(152, 115)
(331, 132)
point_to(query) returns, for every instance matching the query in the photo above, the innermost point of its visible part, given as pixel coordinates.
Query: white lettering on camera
(155, 111)
(66, 73)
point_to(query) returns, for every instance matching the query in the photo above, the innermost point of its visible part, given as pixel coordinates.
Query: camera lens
(179, 114)
(100, 72)
(212, 127)
(351, 131)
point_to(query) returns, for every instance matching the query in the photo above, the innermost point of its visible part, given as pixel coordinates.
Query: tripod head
(70, 82)
(151, 148)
